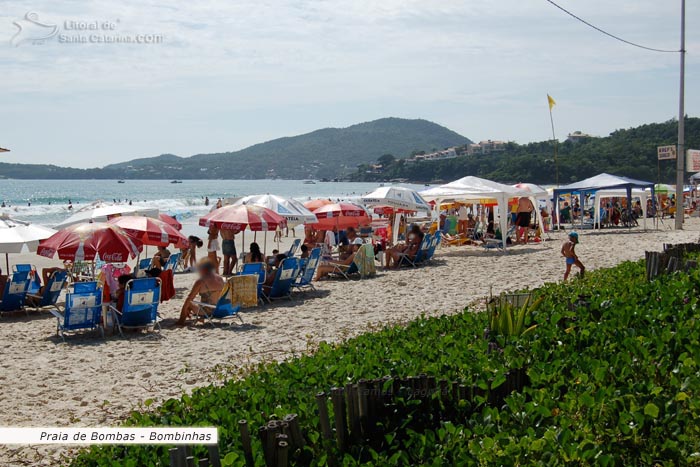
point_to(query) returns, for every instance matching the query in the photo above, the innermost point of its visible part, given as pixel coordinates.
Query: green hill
(630, 152)
(330, 152)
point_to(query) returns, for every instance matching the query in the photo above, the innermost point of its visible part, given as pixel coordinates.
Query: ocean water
(49, 198)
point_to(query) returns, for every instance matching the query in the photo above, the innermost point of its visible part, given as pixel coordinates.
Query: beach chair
(183, 262)
(34, 281)
(49, 299)
(224, 307)
(144, 264)
(434, 242)
(362, 264)
(83, 311)
(293, 249)
(497, 244)
(172, 262)
(420, 254)
(15, 292)
(308, 271)
(140, 310)
(256, 269)
(285, 276)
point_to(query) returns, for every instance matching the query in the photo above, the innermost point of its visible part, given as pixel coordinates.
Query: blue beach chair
(172, 262)
(256, 269)
(285, 276)
(140, 309)
(224, 307)
(83, 311)
(308, 271)
(34, 282)
(437, 238)
(293, 249)
(52, 290)
(15, 292)
(420, 254)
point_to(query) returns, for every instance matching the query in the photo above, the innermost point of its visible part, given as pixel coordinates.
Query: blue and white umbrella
(292, 210)
(397, 197)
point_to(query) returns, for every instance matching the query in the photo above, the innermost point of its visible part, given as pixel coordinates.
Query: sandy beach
(89, 381)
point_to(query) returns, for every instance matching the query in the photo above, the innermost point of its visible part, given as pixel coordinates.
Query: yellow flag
(552, 102)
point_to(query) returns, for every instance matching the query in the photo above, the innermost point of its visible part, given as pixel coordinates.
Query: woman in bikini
(208, 287)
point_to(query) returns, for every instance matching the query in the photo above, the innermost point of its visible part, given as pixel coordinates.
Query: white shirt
(463, 214)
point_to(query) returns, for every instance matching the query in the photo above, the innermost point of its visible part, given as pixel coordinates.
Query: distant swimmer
(3, 205)
(206, 201)
(29, 204)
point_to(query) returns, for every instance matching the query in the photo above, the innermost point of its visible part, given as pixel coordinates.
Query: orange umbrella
(316, 203)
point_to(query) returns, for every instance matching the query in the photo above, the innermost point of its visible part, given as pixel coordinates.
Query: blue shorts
(570, 260)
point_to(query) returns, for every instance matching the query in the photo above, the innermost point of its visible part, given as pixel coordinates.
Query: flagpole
(554, 137)
(680, 154)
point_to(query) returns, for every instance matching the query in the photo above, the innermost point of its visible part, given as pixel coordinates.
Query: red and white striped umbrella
(341, 215)
(85, 242)
(239, 217)
(150, 231)
(171, 220)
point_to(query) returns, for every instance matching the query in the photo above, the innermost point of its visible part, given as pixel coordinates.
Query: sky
(219, 75)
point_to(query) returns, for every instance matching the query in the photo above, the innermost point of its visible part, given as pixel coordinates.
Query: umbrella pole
(7, 263)
(265, 242)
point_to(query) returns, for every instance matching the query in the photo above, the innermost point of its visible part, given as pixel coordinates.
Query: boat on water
(176, 181)
(121, 181)
(309, 182)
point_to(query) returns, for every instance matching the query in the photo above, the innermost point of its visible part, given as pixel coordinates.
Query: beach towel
(167, 287)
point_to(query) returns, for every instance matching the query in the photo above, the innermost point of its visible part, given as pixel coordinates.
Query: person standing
(462, 219)
(568, 251)
(213, 247)
(524, 218)
(228, 248)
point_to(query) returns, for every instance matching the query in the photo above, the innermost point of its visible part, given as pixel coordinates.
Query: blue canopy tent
(602, 182)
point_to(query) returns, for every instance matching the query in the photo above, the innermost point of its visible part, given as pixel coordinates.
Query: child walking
(568, 250)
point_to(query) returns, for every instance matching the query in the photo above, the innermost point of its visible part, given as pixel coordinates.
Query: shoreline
(51, 383)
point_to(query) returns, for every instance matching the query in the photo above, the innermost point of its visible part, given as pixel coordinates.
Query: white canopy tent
(475, 189)
(643, 195)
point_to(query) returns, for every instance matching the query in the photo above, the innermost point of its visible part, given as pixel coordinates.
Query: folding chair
(52, 290)
(140, 310)
(83, 311)
(15, 292)
(308, 271)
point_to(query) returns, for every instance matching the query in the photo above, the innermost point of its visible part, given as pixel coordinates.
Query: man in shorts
(524, 218)
(228, 249)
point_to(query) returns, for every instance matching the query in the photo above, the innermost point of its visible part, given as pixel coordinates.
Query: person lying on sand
(208, 287)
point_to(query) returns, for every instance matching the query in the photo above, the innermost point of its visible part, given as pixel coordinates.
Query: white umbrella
(16, 235)
(396, 197)
(292, 210)
(102, 212)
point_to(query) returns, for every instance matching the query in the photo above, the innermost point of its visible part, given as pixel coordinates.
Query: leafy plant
(507, 318)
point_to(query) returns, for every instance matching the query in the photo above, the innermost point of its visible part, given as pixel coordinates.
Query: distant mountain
(330, 152)
(326, 153)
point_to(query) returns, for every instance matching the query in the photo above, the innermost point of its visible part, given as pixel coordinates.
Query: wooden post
(340, 417)
(189, 461)
(203, 463)
(321, 402)
(245, 441)
(174, 457)
(282, 453)
(351, 397)
(362, 404)
(214, 458)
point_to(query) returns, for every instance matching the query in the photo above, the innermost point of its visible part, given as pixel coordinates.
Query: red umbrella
(170, 220)
(316, 203)
(85, 242)
(150, 231)
(240, 217)
(341, 215)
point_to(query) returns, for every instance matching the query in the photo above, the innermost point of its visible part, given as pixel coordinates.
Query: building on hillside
(448, 153)
(486, 147)
(577, 137)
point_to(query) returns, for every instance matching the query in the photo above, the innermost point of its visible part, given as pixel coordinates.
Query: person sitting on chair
(254, 255)
(329, 267)
(208, 287)
(304, 252)
(410, 249)
(271, 275)
(160, 258)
